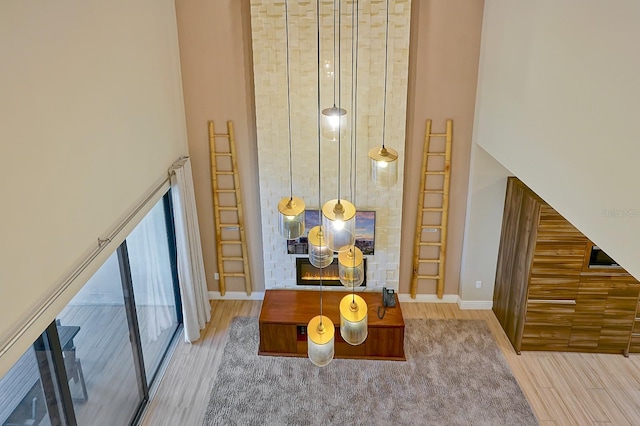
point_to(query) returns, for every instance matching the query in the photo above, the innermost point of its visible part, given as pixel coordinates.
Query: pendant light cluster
(336, 233)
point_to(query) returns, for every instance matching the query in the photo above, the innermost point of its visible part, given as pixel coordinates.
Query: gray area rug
(455, 374)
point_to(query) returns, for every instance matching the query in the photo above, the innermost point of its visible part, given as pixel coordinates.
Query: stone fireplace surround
(270, 82)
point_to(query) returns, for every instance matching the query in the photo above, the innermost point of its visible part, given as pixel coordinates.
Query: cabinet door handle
(553, 301)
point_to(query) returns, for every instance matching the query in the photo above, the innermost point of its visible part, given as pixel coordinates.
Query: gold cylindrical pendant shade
(339, 224)
(351, 267)
(320, 255)
(353, 319)
(334, 123)
(320, 340)
(291, 220)
(384, 166)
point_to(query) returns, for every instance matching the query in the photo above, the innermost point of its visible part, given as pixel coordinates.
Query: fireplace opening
(307, 274)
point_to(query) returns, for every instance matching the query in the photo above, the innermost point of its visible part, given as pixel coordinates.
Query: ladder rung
(230, 242)
(435, 173)
(229, 226)
(440, 154)
(221, 135)
(432, 209)
(233, 274)
(227, 208)
(429, 244)
(438, 135)
(434, 191)
(431, 226)
(232, 258)
(224, 173)
(428, 260)
(225, 190)
(223, 154)
(428, 277)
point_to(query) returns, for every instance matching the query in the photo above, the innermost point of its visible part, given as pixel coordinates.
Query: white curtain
(196, 309)
(151, 272)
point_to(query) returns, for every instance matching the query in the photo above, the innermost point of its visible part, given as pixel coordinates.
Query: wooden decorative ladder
(231, 243)
(433, 206)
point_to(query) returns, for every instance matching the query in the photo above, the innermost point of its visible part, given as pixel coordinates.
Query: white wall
(485, 206)
(558, 102)
(92, 117)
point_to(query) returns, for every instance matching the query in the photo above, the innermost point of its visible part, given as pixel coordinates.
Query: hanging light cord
(339, 88)
(354, 86)
(320, 240)
(319, 116)
(286, 29)
(353, 284)
(319, 140)
(354, 72)
(335, 18)
(386, 62)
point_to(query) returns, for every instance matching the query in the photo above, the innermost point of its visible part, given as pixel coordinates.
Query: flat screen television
(600, 259)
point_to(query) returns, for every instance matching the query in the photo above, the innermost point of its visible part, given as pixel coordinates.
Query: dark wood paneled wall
(546, 297)
(515, 255)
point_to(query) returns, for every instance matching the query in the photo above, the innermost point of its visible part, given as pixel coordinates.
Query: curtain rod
(88, 259)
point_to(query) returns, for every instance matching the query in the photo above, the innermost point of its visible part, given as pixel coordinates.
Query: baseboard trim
(428, 298)
(475, 304)
(404, 298)
(236, 295)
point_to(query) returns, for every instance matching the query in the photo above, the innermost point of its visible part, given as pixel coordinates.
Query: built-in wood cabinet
(546, 296)
(634, 343)
(285, 314)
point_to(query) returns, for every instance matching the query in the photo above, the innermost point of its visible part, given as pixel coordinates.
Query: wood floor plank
(608, 405)
(555, 406)
(581, 405)
(628, 401)
(533, 370)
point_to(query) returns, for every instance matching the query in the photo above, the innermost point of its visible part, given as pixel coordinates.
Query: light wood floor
(562, 388)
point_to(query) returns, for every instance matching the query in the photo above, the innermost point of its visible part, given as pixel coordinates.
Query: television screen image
(365, 232)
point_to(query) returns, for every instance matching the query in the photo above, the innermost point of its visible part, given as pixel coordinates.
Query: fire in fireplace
(307, 274)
